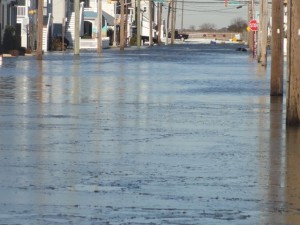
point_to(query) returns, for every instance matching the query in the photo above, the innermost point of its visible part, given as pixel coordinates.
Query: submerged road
(170, 135)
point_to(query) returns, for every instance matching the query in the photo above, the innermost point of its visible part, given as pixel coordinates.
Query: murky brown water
(172, 135)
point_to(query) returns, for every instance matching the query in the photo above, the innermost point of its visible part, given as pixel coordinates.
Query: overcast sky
(198, 12)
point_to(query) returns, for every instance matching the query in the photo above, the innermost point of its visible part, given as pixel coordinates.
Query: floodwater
(170, 135)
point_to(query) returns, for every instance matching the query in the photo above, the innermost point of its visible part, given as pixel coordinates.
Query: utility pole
(150, 24)
(63, 34)
(277, 49)
(250, 32)
(168, 23)
(138, 23)
(259, 32)
(122, 30)
(173, 22)
(126, 23)
(39, 52)
(263, 33)
(115, 25)
(159, 23)
(182, 10)
(293, 94)
(77, 22)
(99, 43)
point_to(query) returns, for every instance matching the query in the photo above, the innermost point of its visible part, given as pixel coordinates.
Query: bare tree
(207, 27)
(237, 25)
(192, 27)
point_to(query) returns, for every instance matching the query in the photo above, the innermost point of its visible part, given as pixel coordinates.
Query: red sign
(225, 3)
(253, 25)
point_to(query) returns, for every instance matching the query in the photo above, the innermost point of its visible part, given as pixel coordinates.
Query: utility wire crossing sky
(198, 12)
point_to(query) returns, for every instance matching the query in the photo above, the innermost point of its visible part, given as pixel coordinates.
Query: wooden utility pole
(138, 23)
(293, 94)
(99, 43)
(259, 32)
(182, 11)
(173, 23)
(263, 34)
(77, 27)
(168, 23)
(250, 33)
(122, 30)
(115, 25)
(159, 23)
(277, 49)
(63, 28)
(150, 23)
(126, 22)
(39, 50)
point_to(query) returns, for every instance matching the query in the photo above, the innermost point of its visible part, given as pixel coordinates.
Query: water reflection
(87, 119)
(284, 166)
(292, 187)
(276, 162)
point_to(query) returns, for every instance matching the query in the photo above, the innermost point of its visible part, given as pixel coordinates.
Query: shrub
(57, 43)
(133, 40)
(9, 39)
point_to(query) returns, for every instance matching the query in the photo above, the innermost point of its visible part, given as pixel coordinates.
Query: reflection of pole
(150, 24)
(76, 8)
(277, 49)
(99, 43)
(39, 52)
(138, 23)
(293, 99)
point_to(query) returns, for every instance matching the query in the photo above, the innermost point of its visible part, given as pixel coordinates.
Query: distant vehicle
(179, 36)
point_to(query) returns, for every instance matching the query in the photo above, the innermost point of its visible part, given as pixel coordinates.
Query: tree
(207, 27)
(237, 25)
(192, 27)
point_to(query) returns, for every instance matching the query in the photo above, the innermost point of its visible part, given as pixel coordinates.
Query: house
(8, 13)
(64, 22)
(59, 20)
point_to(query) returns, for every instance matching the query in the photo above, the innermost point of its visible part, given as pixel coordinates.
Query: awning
(105, 16)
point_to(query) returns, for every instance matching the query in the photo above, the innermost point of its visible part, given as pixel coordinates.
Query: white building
(8, 13)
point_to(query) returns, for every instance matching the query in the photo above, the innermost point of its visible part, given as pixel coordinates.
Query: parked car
(181, 36)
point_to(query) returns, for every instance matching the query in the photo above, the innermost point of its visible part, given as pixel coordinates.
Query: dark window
(21, 2)
(86, 3)
(8, 16)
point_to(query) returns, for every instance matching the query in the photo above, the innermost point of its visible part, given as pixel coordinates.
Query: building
(8, 11)
(59, 21)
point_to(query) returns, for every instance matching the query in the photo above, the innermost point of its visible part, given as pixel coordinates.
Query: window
(21, 2)
(86, 3)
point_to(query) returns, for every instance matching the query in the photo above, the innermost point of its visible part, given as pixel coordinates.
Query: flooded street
(170, 135)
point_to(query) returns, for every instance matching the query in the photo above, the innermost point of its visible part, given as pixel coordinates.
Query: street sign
(253, 25)
(234, 2)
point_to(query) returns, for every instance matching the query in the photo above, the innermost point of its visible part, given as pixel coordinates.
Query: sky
(198, 12)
